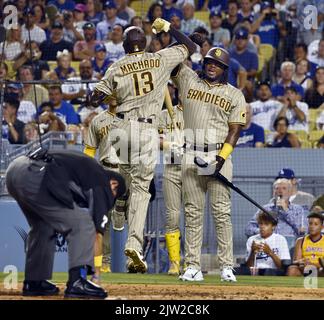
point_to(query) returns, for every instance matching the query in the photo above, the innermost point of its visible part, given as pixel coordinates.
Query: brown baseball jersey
(210, 108)
(139, 80)
(97, 137)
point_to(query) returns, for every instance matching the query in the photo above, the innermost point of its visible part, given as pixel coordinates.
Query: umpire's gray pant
(46, 216)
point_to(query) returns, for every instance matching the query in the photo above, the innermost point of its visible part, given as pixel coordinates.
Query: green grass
(163, 279)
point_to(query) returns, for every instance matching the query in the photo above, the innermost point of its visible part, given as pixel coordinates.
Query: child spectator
(100, 62)
(64, 69)
(14, 45)
(48, 120)
(309, 250)
(314, 96)
(31, 131)
(267, 250)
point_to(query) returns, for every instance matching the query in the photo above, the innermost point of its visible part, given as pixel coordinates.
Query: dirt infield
(192, 292)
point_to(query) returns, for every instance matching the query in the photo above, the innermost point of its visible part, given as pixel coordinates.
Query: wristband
(226, 151)
(98, 261)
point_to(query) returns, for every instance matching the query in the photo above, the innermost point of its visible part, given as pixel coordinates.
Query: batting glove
(160, 25)
(219, 163)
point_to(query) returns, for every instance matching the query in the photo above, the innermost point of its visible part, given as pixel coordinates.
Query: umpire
(62, 192)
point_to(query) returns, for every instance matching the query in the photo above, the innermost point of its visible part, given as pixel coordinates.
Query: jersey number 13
(143, 83)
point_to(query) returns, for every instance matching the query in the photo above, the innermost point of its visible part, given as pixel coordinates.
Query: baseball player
(97, 138)
(172, 183)
(138, 82)
(65, 192)
(214, 112)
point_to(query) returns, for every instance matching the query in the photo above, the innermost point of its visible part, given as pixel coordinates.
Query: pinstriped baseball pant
(195, 188)
(172, 189)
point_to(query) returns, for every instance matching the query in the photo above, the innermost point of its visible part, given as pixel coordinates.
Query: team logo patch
(218, 52)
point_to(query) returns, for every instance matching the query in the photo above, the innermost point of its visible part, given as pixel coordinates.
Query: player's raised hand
(160, 25)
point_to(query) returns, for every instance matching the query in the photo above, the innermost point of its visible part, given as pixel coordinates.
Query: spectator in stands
(27, 109)
(14, 45)
(76, 92)
(246, 10)
(3, 71)
(62, 109)
(314, 96)
(155, 11)
(283, 138)
(318, 58)
(31, 57)
(169, 9)
(217, 33)
(309, 250)
(30, 131)
(248, 59)
(189, 23)
(320, 145)
(124, 12)
(30, 31)
(295, 111)
(237, 75)
(79, 17)
(302, 74)
(155, 45)
(266, 251)
(253, 39)
(287, 71)
(84, 49)
(64, 69)
(100, 62)
(40, 17)
(320, 121)
(308, 35)
(265, 110)
(318, 204)
(267, 25)
(62, 5)
(93, 11)
(21, 7)
(114, 47)
(25, 73)
(70, 32)
(251, 135)
(300, 53)
(137, 21)
(105, 27)
(12, 128)
(175, 20)
(213, 5)
(291, 219)
(232, 19)
(301, 198)
(56, 43)
(48, 120)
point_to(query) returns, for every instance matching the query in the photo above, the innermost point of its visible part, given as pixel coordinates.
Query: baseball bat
(168, 103)
(203, 164)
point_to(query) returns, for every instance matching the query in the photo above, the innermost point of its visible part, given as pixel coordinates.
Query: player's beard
(223, 78)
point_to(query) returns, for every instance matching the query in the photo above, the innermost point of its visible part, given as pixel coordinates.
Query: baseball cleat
(39, 288)
(192, 274)
(130, 267)
(84, 289)
(227, 274)
(139, 264)
(174, 269)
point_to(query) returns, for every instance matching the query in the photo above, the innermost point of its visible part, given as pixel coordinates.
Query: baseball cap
(286, 173)
(15, 85)
(215, 14)
(110, 5)
(100, 47)
(80, 7)
(265, 4)
(241, 33)
(88, 25)
(57, 25)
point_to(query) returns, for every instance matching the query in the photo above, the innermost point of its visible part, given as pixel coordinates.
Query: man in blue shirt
(169, 10)
(106, 26)
(62, 109)
(252, 135)
(248, 59)
(287, 69)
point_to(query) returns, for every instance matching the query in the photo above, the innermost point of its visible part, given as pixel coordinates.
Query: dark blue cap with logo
(110, 5)
(265, 5)
(100, 47)
(286, 173)
(215, 13)
(241, 33)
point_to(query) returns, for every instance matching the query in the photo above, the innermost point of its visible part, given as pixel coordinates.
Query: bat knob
(200, 162)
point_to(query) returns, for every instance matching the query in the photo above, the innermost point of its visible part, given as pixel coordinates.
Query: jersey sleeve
(105, 85)
(238, 114)
(173, 56)
(91, 139)
(181, 77)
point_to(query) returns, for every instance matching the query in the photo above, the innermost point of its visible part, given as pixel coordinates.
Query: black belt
(205, 148)
(109, 165)
(141, 119)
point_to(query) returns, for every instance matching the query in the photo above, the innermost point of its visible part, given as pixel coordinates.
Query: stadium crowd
(276, 60)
